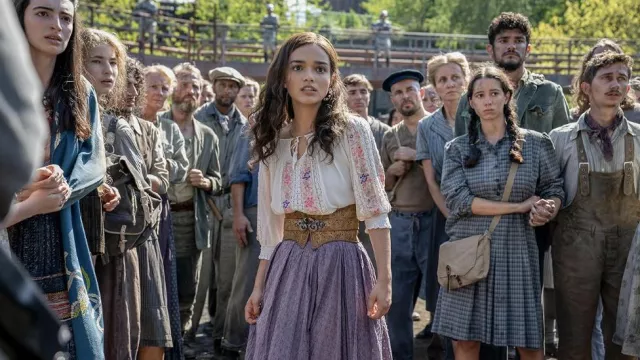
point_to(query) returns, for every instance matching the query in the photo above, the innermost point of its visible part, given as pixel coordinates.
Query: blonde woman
(448, 76)
(160, 82)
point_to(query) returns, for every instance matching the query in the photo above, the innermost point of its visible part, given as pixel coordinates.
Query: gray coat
(205, 153)
(173, 144)
(209, 116)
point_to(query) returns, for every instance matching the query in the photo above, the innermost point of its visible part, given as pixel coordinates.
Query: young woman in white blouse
(316, 295)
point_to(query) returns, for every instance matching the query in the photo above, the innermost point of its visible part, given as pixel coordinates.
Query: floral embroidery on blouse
(317, 187)
(368, 193)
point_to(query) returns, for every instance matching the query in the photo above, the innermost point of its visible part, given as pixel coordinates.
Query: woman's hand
(542, 212)
(526, 206)
(48, 177)
(254, 307)
(379, 300)
(45, 201)
(110, 197)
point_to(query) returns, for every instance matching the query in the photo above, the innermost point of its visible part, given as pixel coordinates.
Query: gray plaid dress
(504, 309)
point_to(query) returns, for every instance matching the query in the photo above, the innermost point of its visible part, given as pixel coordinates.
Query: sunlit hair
(581, 99)
(436, 62)
(135, 69)
(92, 38)
(249, 82)
(163, 71)
(67, 89)
(275, 107)
(187, 68)
(509, 21)
(357, 80)
(510, 115)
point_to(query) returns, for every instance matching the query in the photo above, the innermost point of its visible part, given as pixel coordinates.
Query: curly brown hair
(515, 153)
(275, 107)
(509, 21)
(136, 69)
(581, 99)
(600, 61)
(91, 38)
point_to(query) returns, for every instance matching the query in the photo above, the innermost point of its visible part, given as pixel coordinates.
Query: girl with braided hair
(504, 308)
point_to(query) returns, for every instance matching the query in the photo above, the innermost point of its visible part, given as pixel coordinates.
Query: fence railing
(194, 40)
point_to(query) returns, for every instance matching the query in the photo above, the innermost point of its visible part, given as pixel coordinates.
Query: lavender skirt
(315, 306)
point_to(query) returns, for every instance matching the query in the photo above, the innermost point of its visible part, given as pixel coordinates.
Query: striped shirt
(433, 133)
(564, 139)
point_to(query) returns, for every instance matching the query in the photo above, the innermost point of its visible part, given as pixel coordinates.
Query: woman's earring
(328, 97)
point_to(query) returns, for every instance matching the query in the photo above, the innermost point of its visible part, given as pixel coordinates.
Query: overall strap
(583, 167)
(629, 152)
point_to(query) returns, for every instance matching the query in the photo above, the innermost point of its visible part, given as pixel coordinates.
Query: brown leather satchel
(466, 261)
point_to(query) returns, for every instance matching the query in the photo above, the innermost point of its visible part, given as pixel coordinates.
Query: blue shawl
(83, 163)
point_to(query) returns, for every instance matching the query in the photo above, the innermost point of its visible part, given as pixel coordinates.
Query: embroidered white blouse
(315, 186)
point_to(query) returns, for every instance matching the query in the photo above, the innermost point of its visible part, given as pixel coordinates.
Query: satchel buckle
(450, 276)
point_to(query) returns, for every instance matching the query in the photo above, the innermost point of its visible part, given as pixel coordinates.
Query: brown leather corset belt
(342, 225)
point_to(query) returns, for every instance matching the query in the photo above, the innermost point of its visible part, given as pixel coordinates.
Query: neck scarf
(603, 134)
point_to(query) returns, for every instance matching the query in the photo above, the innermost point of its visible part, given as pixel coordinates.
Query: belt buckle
(310, 224)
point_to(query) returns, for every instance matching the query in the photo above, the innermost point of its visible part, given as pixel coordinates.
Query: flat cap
(226, 73)
(401, 75)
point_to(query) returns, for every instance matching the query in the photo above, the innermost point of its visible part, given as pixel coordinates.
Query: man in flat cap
(412, 207)
(227, 122)
(269, 26)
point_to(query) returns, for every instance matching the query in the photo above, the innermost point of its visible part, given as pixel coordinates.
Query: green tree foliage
(571, 34)
(594, 19)
(459, 16)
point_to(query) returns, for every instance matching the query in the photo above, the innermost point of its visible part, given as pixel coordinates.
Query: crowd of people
(311, 226)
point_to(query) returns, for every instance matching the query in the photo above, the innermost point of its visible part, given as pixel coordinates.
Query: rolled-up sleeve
(550, 181)
(458, 196)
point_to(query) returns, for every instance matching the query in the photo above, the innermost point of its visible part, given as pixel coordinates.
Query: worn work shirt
(433, 133)
(241, 173)
(183, 191)
(148, 140)
(412, 194)
(378, 128)
(564, 139)
(228, 129)
(173, 146)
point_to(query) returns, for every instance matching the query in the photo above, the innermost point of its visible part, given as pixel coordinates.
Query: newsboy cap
(226, 73)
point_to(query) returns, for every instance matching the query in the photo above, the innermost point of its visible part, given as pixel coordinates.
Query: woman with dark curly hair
(504, 308)
(316, 295)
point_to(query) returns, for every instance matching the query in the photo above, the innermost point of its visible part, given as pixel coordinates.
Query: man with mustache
(227, 122)
(412, 207)
(193, 219)
(540, 104)
(599, 160)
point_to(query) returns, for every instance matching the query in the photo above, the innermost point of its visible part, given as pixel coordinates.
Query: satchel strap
(506, 195)
(392, 193)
